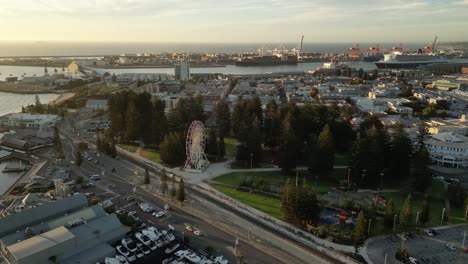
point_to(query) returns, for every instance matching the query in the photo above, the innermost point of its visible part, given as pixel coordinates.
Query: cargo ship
(267, 57)
(373, 58)
(268, 60)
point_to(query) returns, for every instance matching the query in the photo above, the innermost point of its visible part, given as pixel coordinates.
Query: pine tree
(131, 117)
(58, 144)
(401, 149)
(78, 158)
(181, 192)
(288, 144)
(271, 125)
(326, 149)
(308, 209)
(211, 147)
(425, 211)
(406, 214)
(223, 118)
(147, 177)
(163, 179)
(172, 149)
(112, 149)
(173, 191)
(285, 200)
(221, 146)
(359, 232)
(389, 214)
(38, 107)
(421, 171)
(99, 144)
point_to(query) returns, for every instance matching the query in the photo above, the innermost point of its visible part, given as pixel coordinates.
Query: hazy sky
(234, 21)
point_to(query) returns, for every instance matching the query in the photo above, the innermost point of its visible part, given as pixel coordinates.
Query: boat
(399, 60)
(267, 60)
(373, 58)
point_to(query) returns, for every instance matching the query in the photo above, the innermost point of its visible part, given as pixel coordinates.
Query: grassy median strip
(268, 205)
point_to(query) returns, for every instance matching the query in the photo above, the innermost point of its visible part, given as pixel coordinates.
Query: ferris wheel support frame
(196, 160)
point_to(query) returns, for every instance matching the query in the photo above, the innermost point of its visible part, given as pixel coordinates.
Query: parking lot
(422, 245)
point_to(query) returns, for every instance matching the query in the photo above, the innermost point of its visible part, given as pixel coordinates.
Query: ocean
(11, 103)
(8, 49)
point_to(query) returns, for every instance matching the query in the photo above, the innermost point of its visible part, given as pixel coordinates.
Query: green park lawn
(151, 154)
(320, 184)
(128, 147)
(230, 145)
(268, 205)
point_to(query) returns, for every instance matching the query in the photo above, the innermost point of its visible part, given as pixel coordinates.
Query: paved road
(119, 185)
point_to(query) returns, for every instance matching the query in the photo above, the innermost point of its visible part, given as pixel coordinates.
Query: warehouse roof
(40, 243)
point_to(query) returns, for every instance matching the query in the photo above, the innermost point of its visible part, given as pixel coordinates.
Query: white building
(97, 104)
(447, 149)
(182, 71)
(29, 120)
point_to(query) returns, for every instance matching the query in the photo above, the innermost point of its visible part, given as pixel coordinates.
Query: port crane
(298, 49)
(399, 48)
(375, 50)
(354, 52)
(431, 49)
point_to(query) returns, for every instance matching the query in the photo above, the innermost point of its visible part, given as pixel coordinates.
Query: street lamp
(368, 227)
(466, 212)
(251, 159)
(381, 180)
(463, 243)
(442, 218)
(394, 222)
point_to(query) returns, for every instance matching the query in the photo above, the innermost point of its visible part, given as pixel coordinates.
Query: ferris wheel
(195, 147)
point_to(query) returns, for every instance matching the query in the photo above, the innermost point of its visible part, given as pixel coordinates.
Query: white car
(159, 214)
(150, 234)
(107, 203)
(152, 246)
(170, 237)
(159, 244)
(145, 250)
(129, 244)
(131, 258)
(413, 260)
(121, 259)
(451, 247)
(197, 232)
(123, 251)
(182, 253)
(140, 253)
(428, 232)
(143, 238)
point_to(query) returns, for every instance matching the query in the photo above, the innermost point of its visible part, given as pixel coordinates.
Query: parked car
(189, 228)
(143, 238)
(123, 251)
(159, 214)
(425, 260)
(428, 232)
(451, 247)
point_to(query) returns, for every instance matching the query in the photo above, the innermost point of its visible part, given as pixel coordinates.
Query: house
(29, 120)
(97, 104)
(448, 149)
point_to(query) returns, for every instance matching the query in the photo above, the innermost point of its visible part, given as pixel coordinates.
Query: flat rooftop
(40, 242)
